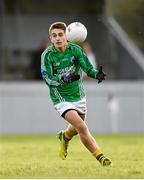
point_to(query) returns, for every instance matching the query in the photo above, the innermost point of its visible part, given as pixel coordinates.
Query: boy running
(61, 67)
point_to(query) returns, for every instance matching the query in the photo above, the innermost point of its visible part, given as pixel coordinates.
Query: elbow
(43, 72)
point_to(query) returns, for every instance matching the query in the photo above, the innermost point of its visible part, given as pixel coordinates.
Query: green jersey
(55, 64)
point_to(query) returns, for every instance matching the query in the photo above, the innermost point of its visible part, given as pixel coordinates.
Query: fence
(113, 107)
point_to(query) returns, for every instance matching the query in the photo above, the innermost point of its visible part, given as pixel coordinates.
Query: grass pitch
(34, 156)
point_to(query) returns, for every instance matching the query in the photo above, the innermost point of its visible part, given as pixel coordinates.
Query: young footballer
(61, 67)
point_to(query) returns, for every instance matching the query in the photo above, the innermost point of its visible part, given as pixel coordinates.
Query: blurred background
(115, 41)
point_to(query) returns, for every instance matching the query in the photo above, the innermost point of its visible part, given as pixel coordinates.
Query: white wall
(112, 107)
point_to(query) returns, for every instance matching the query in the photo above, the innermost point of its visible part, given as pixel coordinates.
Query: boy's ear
(50, 38)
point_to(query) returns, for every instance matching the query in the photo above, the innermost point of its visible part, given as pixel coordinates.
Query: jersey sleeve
(85, 64)
(47, 71)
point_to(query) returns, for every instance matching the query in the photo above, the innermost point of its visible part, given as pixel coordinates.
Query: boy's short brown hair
(57, 25)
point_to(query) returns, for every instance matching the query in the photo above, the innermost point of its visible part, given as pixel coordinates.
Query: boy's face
(58, 38)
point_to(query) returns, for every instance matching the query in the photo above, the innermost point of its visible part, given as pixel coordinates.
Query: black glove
(68, 78)
(100, 75)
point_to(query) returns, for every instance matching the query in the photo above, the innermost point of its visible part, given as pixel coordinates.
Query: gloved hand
(100, 75)
(68, 78)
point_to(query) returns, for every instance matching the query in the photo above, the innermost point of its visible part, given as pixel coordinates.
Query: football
(76, 32)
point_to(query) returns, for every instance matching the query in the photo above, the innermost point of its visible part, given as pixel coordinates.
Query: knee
(82, 128)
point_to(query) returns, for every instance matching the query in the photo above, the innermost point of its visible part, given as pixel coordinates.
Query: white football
(76, 32)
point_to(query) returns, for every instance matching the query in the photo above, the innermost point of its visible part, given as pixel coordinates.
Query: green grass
(37, 157)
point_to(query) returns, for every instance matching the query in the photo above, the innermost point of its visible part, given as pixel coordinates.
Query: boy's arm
(85, 64)
(88, 68)
(47, 72)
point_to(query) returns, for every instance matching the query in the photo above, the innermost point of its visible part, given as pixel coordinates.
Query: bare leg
(79, 125)
(70, 130)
